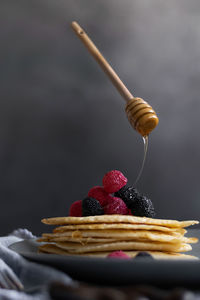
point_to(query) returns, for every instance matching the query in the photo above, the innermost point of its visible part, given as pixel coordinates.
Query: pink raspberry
(115, 206)
(129, 212)
(119, 254)
(98, 193)
(113, 181)
(76, 209)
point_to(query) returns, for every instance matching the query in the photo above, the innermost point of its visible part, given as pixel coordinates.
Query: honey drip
(145, 140)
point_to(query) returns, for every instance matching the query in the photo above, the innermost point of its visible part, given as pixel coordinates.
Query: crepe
(117, 235)
(136, 246)
(118, 219)
(98, 235)
(119, 226)
(53, 249)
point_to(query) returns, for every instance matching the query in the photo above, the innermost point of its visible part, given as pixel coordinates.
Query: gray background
(62, 123)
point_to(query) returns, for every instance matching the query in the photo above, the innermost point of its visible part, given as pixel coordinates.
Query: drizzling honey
(145, 140)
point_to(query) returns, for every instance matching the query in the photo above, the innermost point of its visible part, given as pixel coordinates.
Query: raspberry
(91, 207)
(113, 181)
(75, 209)
(128, 195)
(143, 254)
(98, 193)
(116, 206)
(129, 212)
(143, 207)
(118, 254)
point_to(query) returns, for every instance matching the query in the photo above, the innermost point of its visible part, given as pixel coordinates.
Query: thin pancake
(124, 245)
(117, 219)
(120, 235)
(82, 240)
(53, 249)
(119, 226)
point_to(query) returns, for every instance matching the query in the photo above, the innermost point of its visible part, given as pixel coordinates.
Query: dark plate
(119, 272)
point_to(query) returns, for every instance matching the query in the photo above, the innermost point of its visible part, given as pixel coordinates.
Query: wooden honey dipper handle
(143, 121)
(102, 61)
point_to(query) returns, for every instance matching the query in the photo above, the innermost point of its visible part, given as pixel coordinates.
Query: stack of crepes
(97, 236)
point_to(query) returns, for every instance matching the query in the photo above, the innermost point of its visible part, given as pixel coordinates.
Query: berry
(143, 254)
(118, 254)
(98, 193)
(128, 195)
(116, 206)
(129, 212)
(113, 181)
(91, 207)
(139, 205)
(142, 207)
(75, 209)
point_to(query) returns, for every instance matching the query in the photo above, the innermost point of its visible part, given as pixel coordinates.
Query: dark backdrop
(62, 123)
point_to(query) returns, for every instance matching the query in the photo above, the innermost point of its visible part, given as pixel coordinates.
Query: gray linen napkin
(31, 275)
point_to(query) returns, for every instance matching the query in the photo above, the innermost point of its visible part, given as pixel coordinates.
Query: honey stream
(145, 140)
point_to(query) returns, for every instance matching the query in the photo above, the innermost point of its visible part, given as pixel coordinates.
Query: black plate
(117, 271)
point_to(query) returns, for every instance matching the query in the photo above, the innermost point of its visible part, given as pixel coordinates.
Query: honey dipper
(140, 114)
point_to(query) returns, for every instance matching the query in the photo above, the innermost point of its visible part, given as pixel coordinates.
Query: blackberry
(142, 207)
(143, 254)
(91, 207)
(128, 195)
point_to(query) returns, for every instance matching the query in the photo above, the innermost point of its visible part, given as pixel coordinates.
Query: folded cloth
(32, 275)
